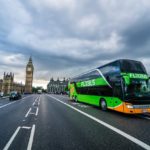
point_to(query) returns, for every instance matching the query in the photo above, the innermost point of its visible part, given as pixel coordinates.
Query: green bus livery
(122, 85)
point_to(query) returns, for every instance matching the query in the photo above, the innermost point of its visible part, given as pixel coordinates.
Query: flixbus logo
(141, 76)
(88, 83)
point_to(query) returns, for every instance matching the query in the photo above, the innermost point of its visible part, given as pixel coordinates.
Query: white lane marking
(37, 111)
(31, 138)
(80, 105)
(36, 99)
(83, 106)
(127, 136)
(144, 117)
(39, 101)
(33, 104)
(27, 113)
(32, 113)
(8, 104)
(12, 102)
(11, 139)
(25, 127)
(64, 96)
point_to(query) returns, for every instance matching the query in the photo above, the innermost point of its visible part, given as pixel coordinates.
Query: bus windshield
(132, 66)
(138, 88)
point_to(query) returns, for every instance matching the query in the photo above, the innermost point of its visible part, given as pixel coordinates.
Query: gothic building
(8, 81)
(29, 76)
(7, 84)
(57, 86)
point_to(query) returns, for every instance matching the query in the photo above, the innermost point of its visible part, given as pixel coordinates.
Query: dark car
(15, 96)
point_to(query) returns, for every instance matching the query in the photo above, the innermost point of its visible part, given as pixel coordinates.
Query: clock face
(29, 69)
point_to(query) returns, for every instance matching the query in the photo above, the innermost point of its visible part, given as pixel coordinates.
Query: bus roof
(118, 60)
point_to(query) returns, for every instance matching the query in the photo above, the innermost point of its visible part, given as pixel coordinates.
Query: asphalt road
(52, 122)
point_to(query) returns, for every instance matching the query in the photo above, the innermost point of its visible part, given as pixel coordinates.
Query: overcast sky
(67, 37)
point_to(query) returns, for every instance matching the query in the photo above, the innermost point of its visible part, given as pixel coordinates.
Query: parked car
(15, 96)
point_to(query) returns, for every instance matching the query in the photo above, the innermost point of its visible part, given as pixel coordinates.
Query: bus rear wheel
(103, 105)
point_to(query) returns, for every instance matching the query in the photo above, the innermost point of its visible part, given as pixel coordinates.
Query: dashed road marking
(33, 104)
(37, 111)
(25, 127)
(31, 138)
(80, 105)
(27, 113)
(120, 132)
(15, 134)
(32, 113)
(11, 139)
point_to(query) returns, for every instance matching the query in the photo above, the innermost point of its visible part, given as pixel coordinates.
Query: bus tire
(103, 104)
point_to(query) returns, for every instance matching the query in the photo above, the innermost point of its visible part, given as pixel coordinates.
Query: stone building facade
(7, 84)
(1, 84)
(19, 87)
(57, 86)
(29, 76)
(8, 81)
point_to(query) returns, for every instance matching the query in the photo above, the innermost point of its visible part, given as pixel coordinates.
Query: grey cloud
(69, 37)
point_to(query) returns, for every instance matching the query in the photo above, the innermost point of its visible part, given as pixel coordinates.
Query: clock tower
(29, 76)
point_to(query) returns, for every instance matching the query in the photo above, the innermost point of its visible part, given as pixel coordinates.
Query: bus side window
(117, 91)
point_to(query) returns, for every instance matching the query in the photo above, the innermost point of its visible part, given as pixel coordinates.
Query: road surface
(52, 122)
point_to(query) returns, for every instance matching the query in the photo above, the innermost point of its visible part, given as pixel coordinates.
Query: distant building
(57, 86)
(8, 81)
(29, 76)
(19, 87)
(1, 84)
(7, 84)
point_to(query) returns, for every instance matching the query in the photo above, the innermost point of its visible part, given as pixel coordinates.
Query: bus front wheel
(103, 105)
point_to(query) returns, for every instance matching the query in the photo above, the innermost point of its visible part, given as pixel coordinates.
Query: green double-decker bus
(122, 85)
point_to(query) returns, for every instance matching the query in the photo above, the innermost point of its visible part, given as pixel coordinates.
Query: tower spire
(30, 59)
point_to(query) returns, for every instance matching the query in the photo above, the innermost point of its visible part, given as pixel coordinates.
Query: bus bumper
(136, 109)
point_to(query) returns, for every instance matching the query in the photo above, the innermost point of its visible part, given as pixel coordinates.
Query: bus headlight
(129, 106)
